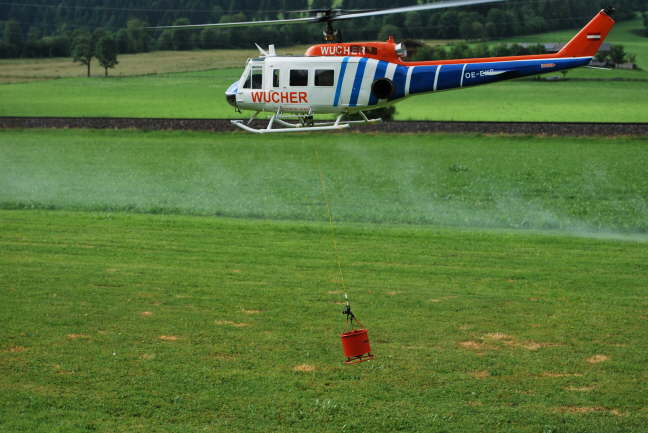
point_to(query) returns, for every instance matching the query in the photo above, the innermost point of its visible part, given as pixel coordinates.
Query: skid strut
(305, 123)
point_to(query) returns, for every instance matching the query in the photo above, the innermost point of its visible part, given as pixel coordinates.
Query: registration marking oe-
(482, 73)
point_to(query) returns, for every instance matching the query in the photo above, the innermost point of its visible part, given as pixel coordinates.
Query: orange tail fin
(588, 41)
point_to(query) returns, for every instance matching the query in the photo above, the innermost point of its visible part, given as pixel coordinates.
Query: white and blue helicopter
(355, 78)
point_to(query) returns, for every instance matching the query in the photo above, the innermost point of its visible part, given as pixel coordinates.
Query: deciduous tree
(618, 54)
(83, 49)
(106, 52)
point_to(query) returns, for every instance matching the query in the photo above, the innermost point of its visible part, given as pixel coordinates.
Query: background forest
(48, 28)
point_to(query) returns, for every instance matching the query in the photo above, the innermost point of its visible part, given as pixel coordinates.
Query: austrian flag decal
(594, 36)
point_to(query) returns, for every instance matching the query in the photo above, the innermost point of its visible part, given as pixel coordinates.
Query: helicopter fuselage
(350, 84)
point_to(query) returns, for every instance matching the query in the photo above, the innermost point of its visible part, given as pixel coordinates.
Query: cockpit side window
(248, 81)
(253, 78)
(257, 77)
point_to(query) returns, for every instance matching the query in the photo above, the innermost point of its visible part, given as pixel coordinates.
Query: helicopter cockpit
(251, 79)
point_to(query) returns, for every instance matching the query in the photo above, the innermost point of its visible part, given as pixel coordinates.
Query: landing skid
(305, 123)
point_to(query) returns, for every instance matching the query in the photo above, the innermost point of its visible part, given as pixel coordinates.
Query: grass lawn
(140, 323)
(125, 310)
(190, 95)
(569, 101)
(580, 185)
(201, 95)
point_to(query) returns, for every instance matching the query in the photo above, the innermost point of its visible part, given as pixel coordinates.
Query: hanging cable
(330, 217)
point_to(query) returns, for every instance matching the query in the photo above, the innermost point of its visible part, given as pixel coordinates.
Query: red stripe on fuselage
(479, 60)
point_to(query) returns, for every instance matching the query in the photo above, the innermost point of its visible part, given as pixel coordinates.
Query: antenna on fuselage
(270, 53)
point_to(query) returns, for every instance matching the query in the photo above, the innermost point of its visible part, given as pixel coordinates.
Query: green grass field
(569, 101)
(123, 323)
(187, 282)
(130, 303)
(201, 95)
(190, 94)
(577, 184)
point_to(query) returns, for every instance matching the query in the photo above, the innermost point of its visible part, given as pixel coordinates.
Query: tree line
(49, 28)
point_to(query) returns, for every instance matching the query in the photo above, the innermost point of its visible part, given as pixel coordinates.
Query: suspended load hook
(355, 342)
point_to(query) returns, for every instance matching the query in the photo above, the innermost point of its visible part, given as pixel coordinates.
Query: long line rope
(329, 212)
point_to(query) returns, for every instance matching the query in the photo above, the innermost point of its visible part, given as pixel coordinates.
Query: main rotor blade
(336, 16)
(332, 11)
(241, 24)
(416, 8)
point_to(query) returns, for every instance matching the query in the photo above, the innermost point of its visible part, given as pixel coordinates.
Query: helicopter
(346, 79)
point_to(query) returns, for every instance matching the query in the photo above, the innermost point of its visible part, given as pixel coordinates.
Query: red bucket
(356, 346)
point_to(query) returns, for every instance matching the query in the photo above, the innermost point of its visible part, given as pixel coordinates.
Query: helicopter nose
(230, 94)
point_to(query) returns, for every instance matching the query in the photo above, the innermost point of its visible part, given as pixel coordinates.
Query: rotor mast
(331, 34)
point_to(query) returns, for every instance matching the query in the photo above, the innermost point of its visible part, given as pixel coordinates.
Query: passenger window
(299, 77)
(324, 77)
(257, 78)
(275, 77)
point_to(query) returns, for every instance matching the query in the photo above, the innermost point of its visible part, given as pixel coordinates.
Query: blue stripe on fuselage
(381, 70)
(423, 79)
(449, 77)
(400, 79)
(357, 83)
(336, 100)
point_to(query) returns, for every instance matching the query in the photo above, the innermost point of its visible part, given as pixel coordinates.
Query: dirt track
(222, 125)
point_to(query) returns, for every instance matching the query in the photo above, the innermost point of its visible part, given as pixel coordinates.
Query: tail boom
(438, 75)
